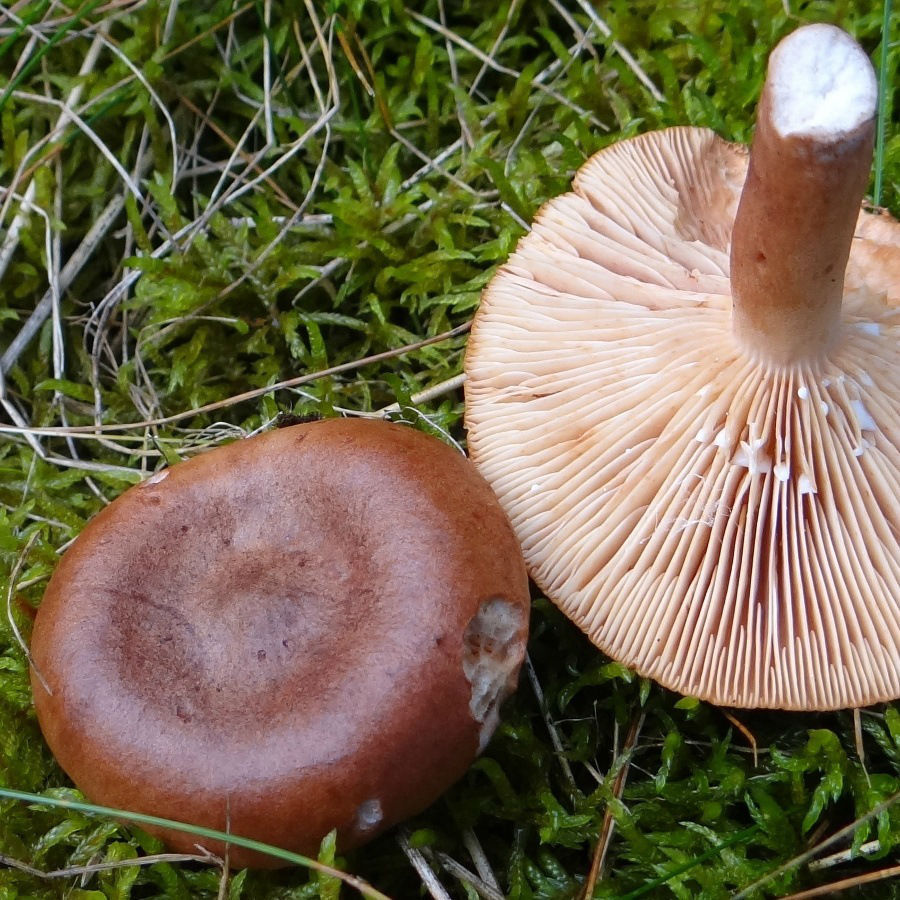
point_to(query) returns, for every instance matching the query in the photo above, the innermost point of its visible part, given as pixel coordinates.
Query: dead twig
(420, 864)
(75, 871)
(609, 821)
(802, 858)
(827, 890)
(10, 594)
(481, 887)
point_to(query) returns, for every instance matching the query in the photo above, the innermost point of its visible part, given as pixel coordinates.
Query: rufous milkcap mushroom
(306, 630)
(692, 416)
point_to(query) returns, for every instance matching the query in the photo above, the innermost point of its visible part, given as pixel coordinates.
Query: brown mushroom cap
(306, 630)
(722, 523)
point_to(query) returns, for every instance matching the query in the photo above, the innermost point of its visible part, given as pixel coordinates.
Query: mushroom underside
(722, 524)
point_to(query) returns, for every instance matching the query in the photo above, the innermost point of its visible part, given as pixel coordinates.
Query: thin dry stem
(837, 859)
(627, 58)
(10, 594)
(551, 725)
(800, 859)
(238, 398)
(828, 890)
(479, 857)
(69, 271)
(417, 860)
(468, 140)
(497, 67)
(609, 822)
(11, 241)
(746, 732)
(481, 887)
(93, 868)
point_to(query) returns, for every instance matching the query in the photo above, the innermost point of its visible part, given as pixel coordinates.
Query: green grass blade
(710, 854)
(235, 840)
(882, 101)
(27, 69)
(29, 19)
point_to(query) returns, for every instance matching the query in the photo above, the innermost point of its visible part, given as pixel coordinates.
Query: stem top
(821, 84)
(809, 167)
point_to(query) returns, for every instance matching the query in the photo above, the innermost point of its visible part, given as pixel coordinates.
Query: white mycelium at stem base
(691, 416)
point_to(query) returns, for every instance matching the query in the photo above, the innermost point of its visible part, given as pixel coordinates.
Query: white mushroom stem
(809, 167)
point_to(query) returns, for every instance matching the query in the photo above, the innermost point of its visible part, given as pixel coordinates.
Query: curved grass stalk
(883, 108)
(236, 840)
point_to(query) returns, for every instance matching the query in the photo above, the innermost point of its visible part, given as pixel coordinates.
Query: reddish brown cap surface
(305, 630)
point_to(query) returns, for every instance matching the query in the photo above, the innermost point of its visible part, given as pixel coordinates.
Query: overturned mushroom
(310, 629)
(692, 416)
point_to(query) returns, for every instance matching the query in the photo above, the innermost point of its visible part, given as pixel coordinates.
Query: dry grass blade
(68, 273)
(498, 67)
(482, 888)
(10, 596)
(609, 822)
(746, 732)
(93, 868)
(482, 864)
(623, 51)
(552, 730)
(76, 430)
(426, 396)
(417, 860)
(835, 887)
(802, 858)
(204, 117)
(837, 859)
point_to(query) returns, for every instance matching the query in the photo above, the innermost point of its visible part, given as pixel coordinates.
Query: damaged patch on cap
(493, 650)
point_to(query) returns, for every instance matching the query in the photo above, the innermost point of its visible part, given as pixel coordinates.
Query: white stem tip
(821, 84)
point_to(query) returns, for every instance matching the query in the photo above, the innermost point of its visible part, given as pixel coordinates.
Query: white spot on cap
(803, 392)
(368, 815)
(872, 328)
(782, 471)
(824, 407)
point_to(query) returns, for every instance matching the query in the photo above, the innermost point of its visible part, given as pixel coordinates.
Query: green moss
(351, 201)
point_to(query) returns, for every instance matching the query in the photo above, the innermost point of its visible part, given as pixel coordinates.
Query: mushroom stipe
(306, 630)
(683, 387)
